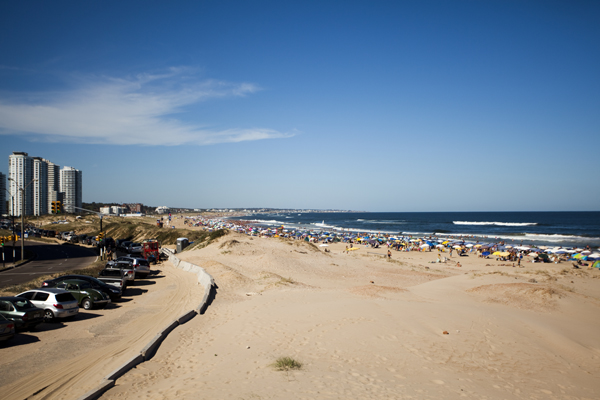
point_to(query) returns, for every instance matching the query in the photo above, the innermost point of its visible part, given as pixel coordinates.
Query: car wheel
(86, 304)
(48, 315)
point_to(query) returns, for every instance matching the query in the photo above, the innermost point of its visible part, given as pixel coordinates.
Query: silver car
(140, 265)
(56, 303)
(7, 328)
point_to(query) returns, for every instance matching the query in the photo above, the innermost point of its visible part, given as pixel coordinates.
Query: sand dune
(365, 327)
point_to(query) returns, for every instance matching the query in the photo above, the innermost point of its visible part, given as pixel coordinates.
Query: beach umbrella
(496, 253)
(504, 254)
(580, 256)
(586, 252)
(596, 264)
(469, 245)
(533, 255)
(485, 253)
(424, 245)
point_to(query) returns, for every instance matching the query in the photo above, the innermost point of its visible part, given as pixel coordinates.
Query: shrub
(286, 364)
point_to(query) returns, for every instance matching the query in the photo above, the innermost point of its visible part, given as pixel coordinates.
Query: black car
(113, 292)
(124, 245)
(119, 243)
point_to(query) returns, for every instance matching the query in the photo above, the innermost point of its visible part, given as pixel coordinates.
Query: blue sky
(376, 106)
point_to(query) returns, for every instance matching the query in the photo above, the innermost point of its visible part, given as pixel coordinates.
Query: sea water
(565, 229)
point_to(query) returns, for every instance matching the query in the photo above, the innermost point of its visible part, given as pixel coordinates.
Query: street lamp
(22, 189)
(12, 216)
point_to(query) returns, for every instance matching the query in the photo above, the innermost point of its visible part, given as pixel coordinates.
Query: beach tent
(596, 264)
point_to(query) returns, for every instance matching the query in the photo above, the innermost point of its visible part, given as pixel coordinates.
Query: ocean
(567, 229)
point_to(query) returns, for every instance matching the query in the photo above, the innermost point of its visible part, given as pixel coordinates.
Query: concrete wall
(204, 279)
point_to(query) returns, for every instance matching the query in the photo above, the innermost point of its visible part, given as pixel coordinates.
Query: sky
(357, 105)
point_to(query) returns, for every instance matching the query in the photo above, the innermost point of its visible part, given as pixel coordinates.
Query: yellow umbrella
(496, 253)
(504, 254)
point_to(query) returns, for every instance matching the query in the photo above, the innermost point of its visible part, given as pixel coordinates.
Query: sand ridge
(368, 327)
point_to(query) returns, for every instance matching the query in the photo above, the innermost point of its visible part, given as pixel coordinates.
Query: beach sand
(365, 327)
(65, 359)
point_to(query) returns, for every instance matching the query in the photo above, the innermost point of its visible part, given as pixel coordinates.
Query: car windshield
(22, 304)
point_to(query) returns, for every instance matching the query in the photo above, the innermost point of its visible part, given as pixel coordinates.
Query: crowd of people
(459, 246)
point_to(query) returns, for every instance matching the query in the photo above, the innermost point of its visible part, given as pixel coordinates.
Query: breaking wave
(495, 223)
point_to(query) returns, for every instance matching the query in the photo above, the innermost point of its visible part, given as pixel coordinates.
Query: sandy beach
(364, 326)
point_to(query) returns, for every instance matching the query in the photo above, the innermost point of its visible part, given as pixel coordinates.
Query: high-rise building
(40, 186)
(53, 183)
(20, 175)
(3, 208)
(71, 186)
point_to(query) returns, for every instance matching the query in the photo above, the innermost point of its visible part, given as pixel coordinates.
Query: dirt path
(65, 360)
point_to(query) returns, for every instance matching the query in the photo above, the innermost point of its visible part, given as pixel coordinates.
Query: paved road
(50, 258)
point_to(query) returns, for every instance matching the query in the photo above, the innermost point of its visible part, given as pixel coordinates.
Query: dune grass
(286, 364)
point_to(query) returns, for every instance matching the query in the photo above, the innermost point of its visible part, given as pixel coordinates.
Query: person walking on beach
(389, 254)
(450, 251)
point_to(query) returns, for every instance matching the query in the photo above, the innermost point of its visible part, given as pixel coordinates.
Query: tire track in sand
(71, 377)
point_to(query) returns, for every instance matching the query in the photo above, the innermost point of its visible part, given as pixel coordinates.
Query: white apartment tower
(71, 186)
(53, 183)
(20, 174)
(40, 186)
(3, 209)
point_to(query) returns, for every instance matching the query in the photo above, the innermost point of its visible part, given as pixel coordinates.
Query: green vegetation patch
(286, 364)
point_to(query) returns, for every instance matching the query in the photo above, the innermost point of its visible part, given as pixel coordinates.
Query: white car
(56, 303)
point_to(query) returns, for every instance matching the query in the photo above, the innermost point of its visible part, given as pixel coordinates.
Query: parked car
(124, 266)
(108, 242)
(56, 303)
(25, 315)
(140, 265)
(119, 243)
(124, 245)
(113, 292)
(86, 296)
(113, 277)
(135, 248)
(7, 328)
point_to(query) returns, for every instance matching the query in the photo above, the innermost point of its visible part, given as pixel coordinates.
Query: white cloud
(138, 110)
